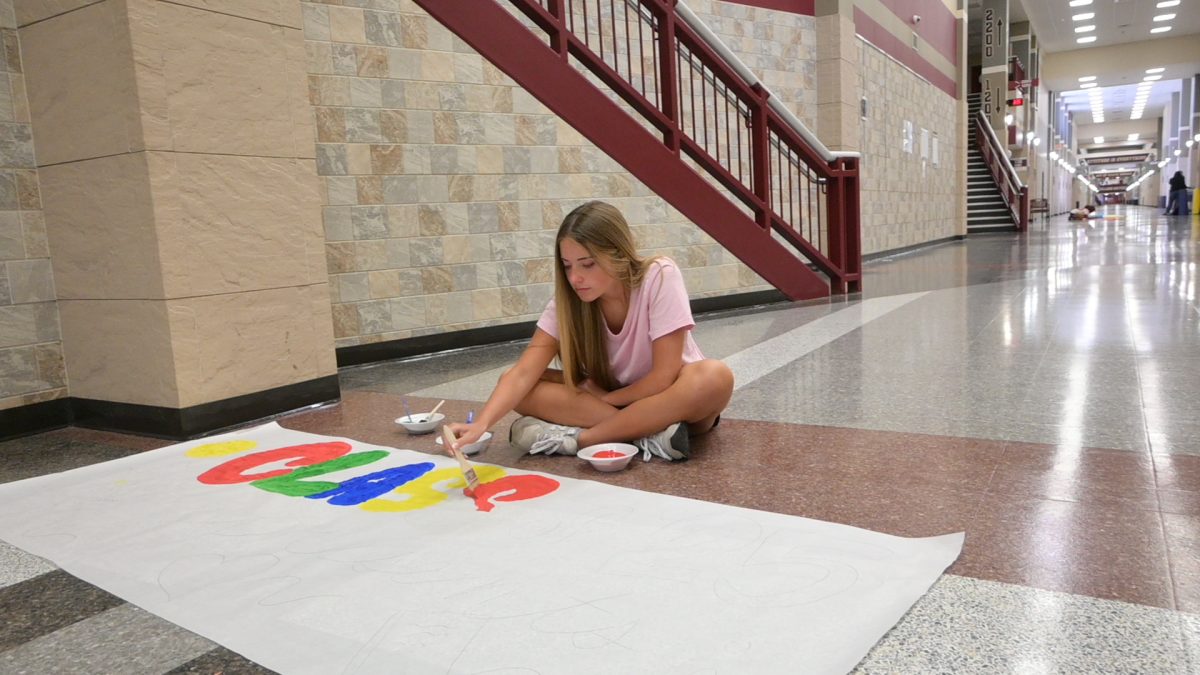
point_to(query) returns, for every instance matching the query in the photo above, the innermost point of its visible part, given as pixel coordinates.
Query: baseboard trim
(170, 423)
(34, 418)
(914, 247)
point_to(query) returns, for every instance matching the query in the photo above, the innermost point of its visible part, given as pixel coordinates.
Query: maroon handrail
(1015, 193)
(671, 79)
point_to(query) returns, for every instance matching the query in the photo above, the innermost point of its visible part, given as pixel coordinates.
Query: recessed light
(1151, 78)
(1151, 71)
(1092, 38)
(1132, 137)
(1160, 29)
(1164, 17)
(1167, 3)
(1084, 29)
(1079, 3)
(1088, 85)
(1087, 78)
(1083, 17)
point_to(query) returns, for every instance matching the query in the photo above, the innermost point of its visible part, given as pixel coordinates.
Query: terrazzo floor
(1039, 392)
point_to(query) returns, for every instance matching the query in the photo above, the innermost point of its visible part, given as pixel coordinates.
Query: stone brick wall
(905, 201)
(31, 361)
(444, 181)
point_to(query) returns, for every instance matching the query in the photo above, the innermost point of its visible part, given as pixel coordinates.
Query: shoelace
(550, 440)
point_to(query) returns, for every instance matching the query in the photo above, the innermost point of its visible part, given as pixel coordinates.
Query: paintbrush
(467, 469)
(434, 411)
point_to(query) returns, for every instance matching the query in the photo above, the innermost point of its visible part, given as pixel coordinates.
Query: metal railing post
(760, 157)
(668, 74)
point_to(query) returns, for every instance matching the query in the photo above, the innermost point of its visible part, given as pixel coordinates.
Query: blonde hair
(601, 229)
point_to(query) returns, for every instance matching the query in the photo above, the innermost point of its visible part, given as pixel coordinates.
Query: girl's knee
(712, 375)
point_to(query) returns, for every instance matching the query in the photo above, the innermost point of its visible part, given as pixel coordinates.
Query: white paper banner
(361, 559)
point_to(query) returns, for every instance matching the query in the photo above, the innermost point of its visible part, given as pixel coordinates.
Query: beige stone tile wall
(905, 201)
(445, 182)
(31, 355)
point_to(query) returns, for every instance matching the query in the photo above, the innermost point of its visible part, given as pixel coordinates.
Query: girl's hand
(466, 433)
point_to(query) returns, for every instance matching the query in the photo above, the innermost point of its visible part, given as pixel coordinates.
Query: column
(175, 145)
(838, 93)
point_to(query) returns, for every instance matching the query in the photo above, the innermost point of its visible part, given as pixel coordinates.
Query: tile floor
(1039, 392)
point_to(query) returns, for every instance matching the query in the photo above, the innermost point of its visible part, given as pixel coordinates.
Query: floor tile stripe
(124, 639)
(47, 603)
(762, 359)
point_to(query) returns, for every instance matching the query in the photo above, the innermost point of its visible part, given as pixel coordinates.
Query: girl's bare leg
(555, 402)
(699, 394)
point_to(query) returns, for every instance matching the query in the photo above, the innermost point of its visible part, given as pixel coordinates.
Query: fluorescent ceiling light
(1132, 137)
(1152, 78)
(1092, 38)
(1089, 78)
(1160, 29)
(1085, 29)
(1151, 71)
(1088, 85)
(1167, 3)
(1164, 17)
(1097, 139)
(1083, 17)
(1079, 3)
(1137, 115)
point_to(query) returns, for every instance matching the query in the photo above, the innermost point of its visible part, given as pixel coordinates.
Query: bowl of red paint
(609, 456)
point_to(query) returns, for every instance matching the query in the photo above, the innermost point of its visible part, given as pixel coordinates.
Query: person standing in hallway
(1177, 203)
(621, 327)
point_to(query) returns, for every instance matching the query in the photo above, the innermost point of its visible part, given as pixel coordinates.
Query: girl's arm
(667, 355)
(514, 385)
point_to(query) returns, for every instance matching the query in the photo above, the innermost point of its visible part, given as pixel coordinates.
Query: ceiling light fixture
(1090, 38)
(1164, 17)
(1079, 3)
(1085, 29)
(1152, 78)
(1089, 78)
(1088, 85)
(1151, 71)
(1167, 3)
(1083, 17)
(1131, 137)
(1097, 139)
(1160, 29)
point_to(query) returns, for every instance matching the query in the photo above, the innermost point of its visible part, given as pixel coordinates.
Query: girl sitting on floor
(621, 327)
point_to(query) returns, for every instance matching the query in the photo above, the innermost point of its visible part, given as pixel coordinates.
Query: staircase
(651, 86)
(987, 211)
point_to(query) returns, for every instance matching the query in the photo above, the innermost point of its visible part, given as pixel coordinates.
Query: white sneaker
(671, 444)
(536, 436)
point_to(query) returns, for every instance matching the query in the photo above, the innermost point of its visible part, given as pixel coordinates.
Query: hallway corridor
(1039, 391)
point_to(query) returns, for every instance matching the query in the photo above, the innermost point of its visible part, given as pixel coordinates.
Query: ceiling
(1116, 21)
(1123, 51)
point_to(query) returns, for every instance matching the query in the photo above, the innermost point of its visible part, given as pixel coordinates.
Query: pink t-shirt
(656, 308)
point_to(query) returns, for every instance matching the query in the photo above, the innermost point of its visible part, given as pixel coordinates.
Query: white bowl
(473, 448)
(624, 453)
(420, 423)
